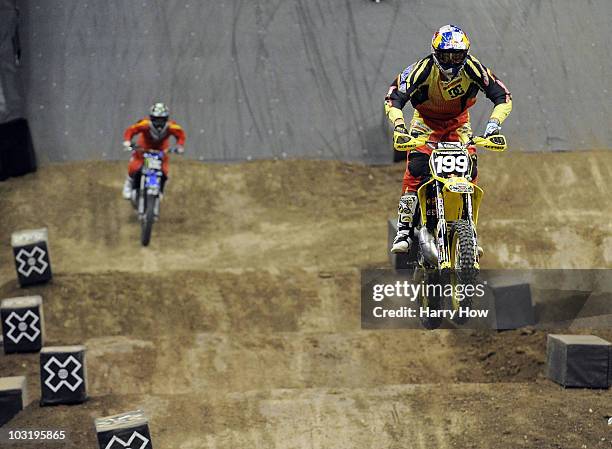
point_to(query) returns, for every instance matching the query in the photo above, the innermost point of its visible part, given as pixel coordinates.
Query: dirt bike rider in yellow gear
(441, 87)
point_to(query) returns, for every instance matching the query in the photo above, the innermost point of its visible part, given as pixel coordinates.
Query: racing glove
(400, 136)
(127, 145)
(492, 128)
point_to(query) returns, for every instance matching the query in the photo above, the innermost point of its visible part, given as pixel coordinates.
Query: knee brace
(407, 207)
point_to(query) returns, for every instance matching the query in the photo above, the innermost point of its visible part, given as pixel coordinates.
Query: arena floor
(240, 327)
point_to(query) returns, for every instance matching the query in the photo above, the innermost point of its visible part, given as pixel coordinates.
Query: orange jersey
(145, 140)
(438, 101)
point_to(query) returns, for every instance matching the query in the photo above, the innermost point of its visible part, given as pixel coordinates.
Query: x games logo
(136, 441)
(63, 374)
(22, 326)
(29, 261)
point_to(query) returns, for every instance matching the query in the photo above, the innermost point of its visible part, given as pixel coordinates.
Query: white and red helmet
(159, 115)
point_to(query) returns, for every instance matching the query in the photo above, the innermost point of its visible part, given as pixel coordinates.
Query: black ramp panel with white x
(63, 375)
(126, 430)
(22, 324)
(31, 252)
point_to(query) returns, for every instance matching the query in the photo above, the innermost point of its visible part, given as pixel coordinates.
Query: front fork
(441, 228)
(470, 218)
(444, 259)
(141, 197)
(142, 194)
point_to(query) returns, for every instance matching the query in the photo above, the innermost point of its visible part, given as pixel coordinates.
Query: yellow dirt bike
(447, 216)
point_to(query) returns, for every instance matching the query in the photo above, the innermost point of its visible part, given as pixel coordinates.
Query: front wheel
(464, 251)
(147, 220)
(466, 268)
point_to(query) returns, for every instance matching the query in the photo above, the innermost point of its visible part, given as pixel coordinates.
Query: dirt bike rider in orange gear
(154, 133)
(441, 87)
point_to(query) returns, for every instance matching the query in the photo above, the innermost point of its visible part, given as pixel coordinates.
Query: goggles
(451, 57)
(159, 122)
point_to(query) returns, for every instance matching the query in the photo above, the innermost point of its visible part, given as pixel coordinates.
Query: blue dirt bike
(147, 191)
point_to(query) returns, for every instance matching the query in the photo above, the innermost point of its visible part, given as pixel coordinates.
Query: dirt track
(239, 326)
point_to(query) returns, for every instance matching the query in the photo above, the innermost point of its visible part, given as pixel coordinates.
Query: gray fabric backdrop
(11, 91)
(300, 78)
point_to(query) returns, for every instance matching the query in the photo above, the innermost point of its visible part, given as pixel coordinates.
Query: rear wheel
(147, 220)
(430, 301)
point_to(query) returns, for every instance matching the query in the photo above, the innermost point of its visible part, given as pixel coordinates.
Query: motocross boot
(127, 188)
(403, 239)
(406, 209)
(162, 186)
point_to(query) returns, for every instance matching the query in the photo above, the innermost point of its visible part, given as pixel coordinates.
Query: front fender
(453, 201)
(453, 191)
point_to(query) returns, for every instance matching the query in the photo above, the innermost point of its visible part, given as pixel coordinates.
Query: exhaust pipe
(427, 242)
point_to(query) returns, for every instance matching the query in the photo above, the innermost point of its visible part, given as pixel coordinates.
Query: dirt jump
(239, 326)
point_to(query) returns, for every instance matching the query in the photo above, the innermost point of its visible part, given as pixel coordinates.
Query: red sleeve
(177, 131)
(134, 129)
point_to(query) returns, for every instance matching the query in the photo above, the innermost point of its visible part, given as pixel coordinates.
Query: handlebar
(495, 142)
(150, 150)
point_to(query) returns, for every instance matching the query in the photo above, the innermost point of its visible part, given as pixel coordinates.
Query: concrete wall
(300, 78)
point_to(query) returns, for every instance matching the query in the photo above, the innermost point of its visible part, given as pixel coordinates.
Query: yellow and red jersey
(145, 140)
(437, 101)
